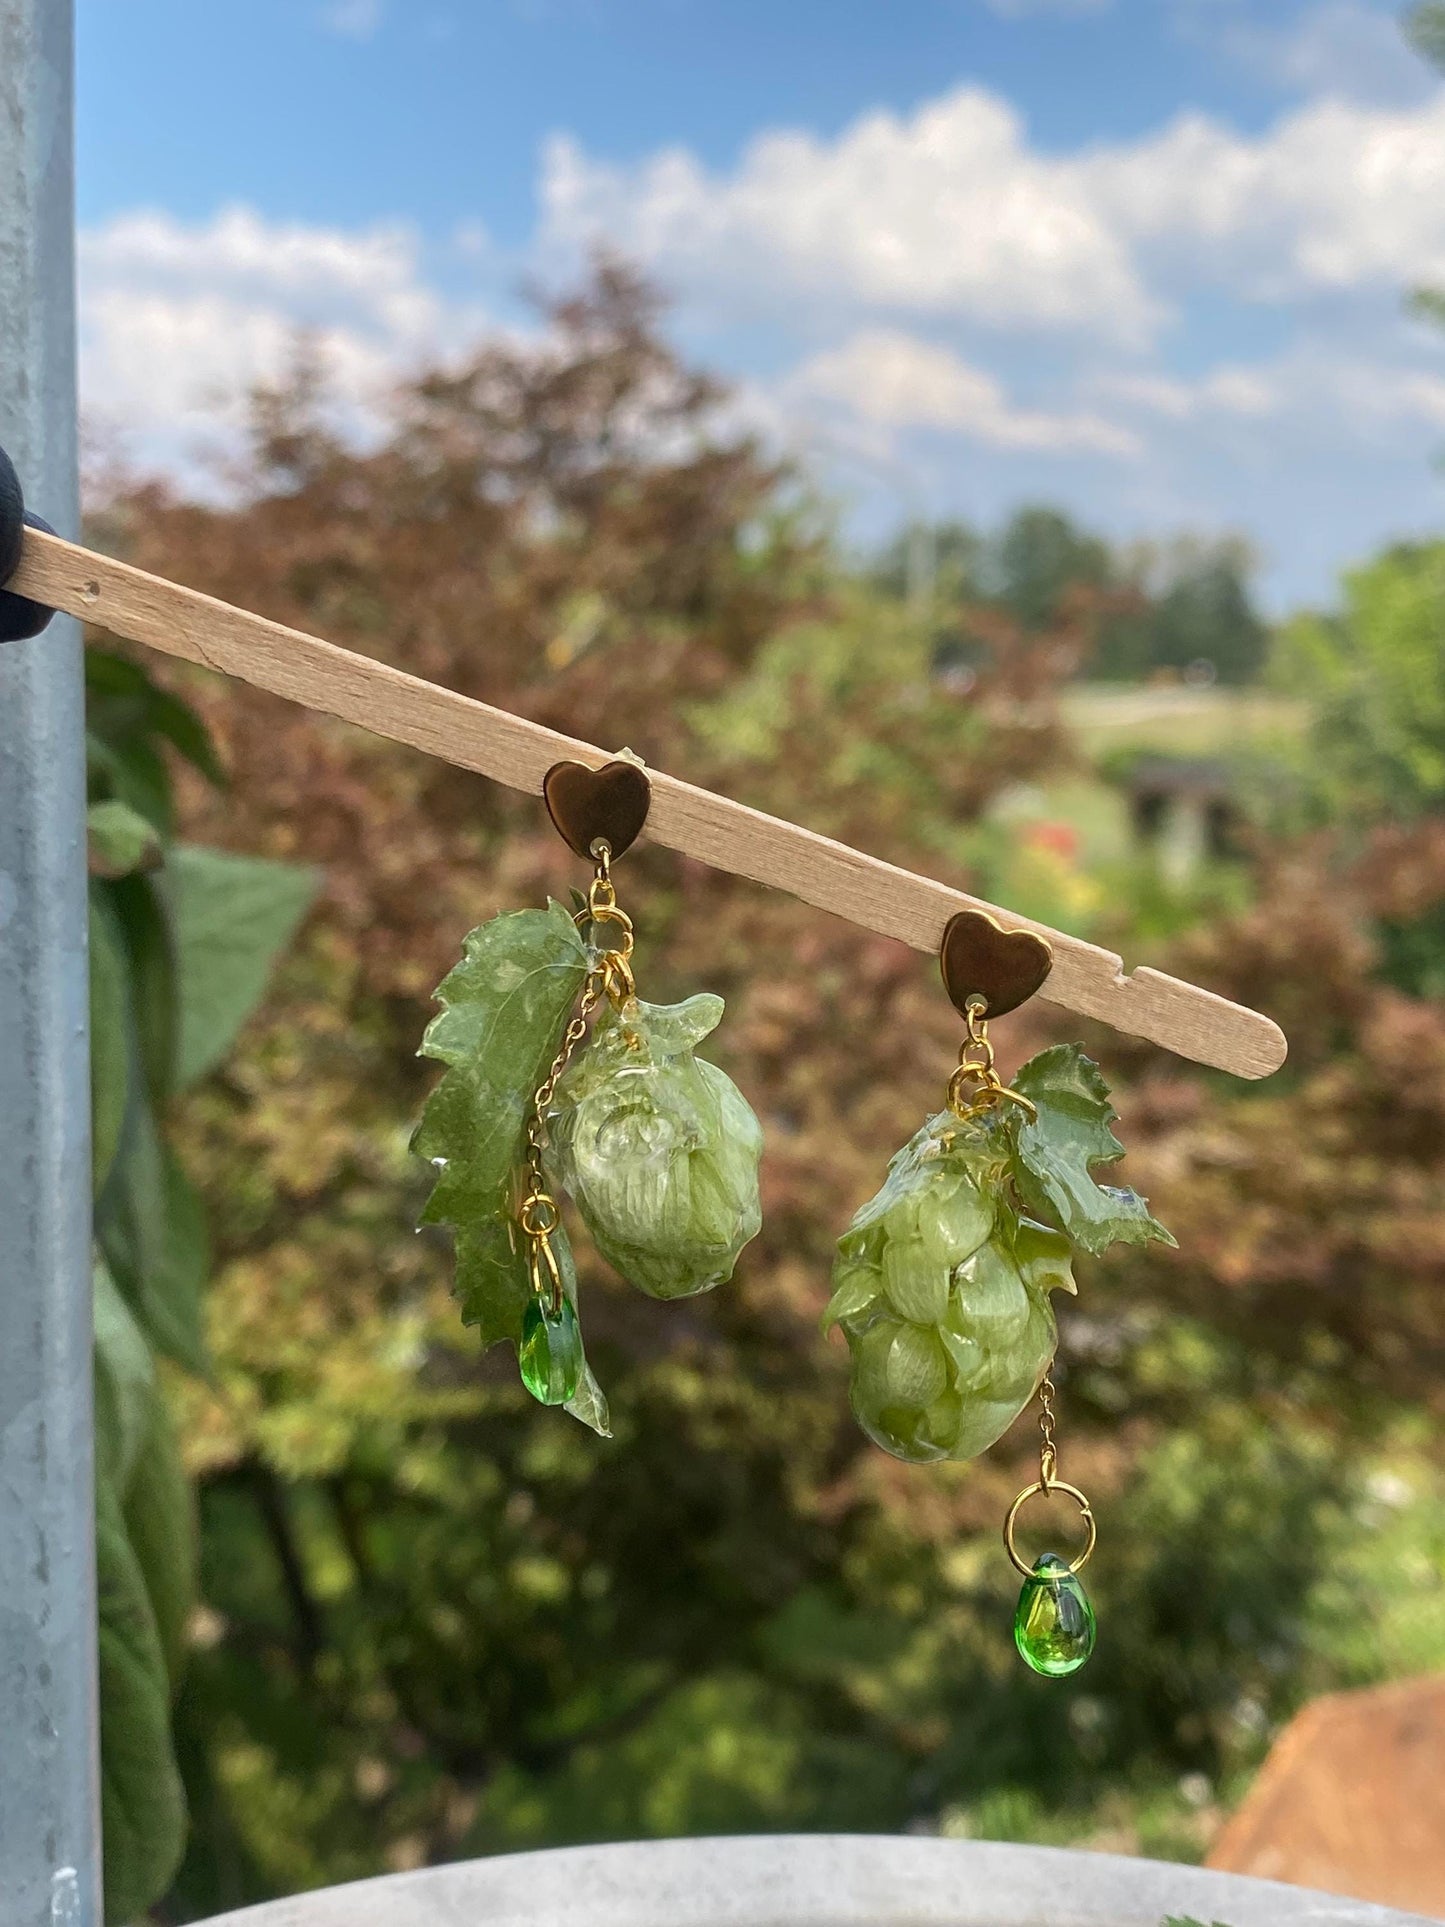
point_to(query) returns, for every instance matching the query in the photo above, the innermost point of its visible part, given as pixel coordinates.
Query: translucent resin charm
(550, 1353)
(1054, 1625)
(942, 1288)
(658, 1149)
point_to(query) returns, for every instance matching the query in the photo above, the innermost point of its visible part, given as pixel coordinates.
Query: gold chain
(1048, 1450)
(1047, 1483)
(610, 976)
(976, 1087)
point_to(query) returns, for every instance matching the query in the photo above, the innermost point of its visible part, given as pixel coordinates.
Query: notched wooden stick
(143, 608)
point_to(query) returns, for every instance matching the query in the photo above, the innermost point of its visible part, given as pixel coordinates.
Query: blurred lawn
(1176, 721)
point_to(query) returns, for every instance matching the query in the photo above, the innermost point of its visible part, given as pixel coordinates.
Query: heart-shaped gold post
(979, 958)
(607, 805)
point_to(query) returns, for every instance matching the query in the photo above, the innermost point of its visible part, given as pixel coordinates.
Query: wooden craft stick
(143, 608)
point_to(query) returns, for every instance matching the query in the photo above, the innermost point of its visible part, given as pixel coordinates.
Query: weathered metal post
(49, 1824)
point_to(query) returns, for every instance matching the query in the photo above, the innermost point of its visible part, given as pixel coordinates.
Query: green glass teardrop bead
(550, 1354)
(1054, 1626)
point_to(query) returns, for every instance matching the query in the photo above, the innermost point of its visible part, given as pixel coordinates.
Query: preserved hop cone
(942, 1282)
(658, 1149)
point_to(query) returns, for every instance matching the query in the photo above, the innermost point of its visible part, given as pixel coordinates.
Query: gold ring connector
(1038, 1488)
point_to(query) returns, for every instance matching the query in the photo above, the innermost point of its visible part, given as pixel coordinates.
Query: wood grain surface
(1182, 1017)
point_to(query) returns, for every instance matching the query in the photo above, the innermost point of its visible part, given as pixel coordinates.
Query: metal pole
(49, 1806)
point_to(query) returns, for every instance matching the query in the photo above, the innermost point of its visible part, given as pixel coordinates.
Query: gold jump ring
(1033, 1491)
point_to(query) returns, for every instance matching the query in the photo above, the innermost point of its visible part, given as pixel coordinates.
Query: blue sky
(1140, 257)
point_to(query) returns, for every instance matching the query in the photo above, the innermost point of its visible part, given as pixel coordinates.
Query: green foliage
(232, 916)
(143, 1808)
(1037, 559)
(439, 1622)
(1156, 609)
(1376, 672)
(159, 969)
(1424, 24)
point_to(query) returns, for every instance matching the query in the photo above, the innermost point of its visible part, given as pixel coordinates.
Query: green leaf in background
(504, 1008)
(110, 1038)
(124, 1384)
(1052, 1154)
(143, 1806)
(232, 916)
(150, 949)
(138, 1460)
(127, 711)
(160, 1519)
(135, 773)
(154, 1239)
(120, 839)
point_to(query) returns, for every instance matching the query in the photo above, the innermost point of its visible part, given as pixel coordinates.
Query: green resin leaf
(504, 1009)
(658, 1149)
(1052, 1154)
(942, 1290)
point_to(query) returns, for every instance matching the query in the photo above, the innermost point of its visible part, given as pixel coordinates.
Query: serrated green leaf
(1052, 1154)
(111, 1040)
(120, 839)
(492, 1285)
(142, 1802)
(504, 1008)
(232, 915)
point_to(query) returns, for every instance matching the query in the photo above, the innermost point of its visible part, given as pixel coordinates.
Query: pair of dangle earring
(943, 1282)
(560, 1079)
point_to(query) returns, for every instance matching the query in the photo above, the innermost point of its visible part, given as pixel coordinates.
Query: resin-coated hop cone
(658, 1149)
(942, 1288)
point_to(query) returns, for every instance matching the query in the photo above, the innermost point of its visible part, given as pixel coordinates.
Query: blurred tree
(940, 558)
(181, 940)
(1204, 615)
(1425, 28)
(437, 1618)
(1376, 672)
(1039, 556)
(1150, 608)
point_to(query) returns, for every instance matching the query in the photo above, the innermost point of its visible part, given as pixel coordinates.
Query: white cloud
(1337, 47)
(1334, 197)
(180, 320)
(353, 19)
(1237, 391)
(1310, 391)
(893, 380)
(950, 212)
(946, 211)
